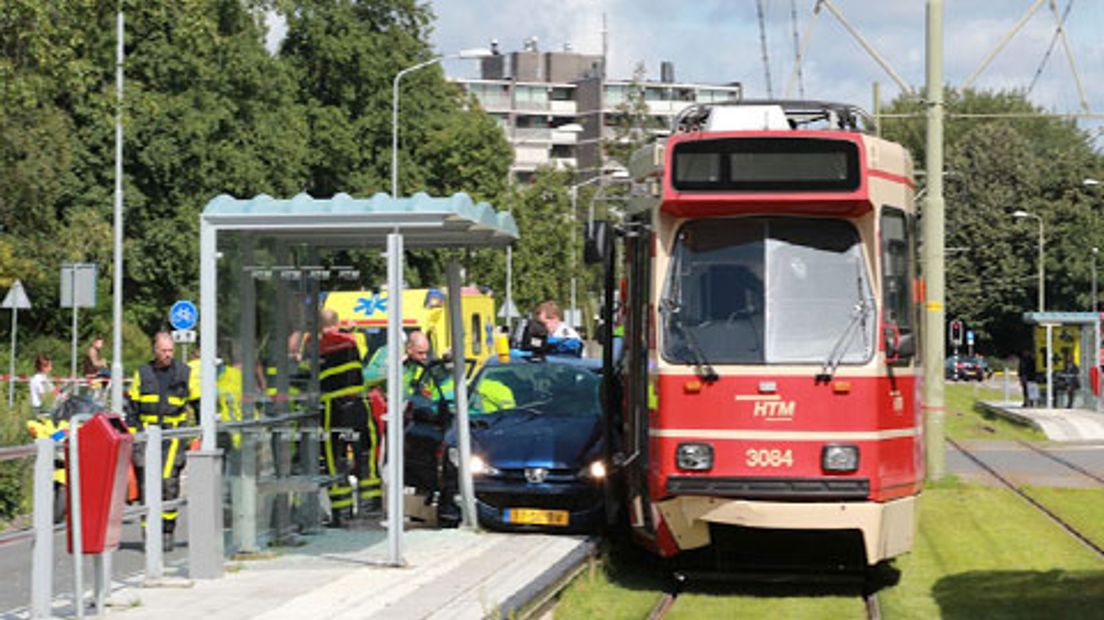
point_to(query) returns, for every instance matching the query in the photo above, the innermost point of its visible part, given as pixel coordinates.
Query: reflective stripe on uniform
(346, 367)
(345, 391)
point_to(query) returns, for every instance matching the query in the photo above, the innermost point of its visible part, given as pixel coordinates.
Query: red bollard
(104, 447)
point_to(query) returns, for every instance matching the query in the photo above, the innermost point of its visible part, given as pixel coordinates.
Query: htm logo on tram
(774, 409)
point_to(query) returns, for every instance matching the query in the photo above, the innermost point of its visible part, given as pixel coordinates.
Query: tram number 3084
(764, 457)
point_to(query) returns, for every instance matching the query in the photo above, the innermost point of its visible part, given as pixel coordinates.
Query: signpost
(183, 316)
(15, 300)
(78, 290)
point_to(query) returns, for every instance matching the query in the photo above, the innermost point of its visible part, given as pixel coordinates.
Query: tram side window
(896, 289)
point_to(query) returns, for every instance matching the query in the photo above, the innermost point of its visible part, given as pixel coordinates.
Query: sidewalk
(341, 574)
(1057, 424)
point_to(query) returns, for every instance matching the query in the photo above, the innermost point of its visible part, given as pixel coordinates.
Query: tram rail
(1055, 517)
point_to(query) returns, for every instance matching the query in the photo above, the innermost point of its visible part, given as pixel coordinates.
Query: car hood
(518, 439)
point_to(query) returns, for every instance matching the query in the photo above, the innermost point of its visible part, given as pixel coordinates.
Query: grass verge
(980, 553)
(963, 422)
(983, 552)
(1081, 508)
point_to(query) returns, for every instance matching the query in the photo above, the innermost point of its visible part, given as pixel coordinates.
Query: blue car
(536, 432)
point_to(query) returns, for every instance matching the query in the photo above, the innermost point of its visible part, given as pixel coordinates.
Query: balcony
(563, 107)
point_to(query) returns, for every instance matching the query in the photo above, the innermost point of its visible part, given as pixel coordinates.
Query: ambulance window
(475, 334)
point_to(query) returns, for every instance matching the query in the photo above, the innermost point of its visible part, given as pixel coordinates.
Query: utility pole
(934, 313)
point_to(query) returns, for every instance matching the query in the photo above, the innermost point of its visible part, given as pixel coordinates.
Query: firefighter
(346, 423)
(161, 394)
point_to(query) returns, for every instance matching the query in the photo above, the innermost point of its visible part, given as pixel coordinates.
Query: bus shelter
(265, 263)
(1067, 335)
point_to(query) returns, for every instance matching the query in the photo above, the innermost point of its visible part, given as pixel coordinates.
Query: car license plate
(533, 516)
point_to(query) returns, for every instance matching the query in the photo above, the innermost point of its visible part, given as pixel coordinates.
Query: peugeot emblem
(535, 475)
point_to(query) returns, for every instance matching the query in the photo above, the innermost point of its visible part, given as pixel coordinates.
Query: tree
(1019, 160)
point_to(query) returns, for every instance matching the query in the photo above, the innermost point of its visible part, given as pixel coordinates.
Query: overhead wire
(763, 47)
(1050, 48)
(797, 50)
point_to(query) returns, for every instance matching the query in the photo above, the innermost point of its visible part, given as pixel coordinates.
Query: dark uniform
(162, 396)
(347, 423)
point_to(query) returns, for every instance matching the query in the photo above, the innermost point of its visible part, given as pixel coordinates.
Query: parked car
(536, 438)
(966, 368)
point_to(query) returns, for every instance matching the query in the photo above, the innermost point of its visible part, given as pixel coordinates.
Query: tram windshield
(767, 291)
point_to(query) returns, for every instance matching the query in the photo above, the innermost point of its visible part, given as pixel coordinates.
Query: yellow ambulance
(426, 309)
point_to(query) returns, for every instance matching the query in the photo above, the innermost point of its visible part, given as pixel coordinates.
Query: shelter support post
(205, 466)
(244, 484)
(396, 403)
(463, 430)
(1050, 365)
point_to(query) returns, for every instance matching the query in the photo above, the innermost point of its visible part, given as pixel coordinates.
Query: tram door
(637, 312)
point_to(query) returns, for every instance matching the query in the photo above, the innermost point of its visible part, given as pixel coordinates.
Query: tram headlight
(694, 456)
(839, 458)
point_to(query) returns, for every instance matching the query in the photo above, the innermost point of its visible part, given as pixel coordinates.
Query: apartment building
(556, 108)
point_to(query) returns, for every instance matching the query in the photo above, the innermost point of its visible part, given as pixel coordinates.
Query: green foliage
(1019, 160)
(630, 122)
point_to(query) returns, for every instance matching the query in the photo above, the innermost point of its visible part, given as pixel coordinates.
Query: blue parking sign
(183, 315)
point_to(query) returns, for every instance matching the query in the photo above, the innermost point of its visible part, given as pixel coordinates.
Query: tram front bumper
(888, 528)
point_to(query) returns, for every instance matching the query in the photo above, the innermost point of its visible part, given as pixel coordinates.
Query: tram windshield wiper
(835, 356)
(670, 307)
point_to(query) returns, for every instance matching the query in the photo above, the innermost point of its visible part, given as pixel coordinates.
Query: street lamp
(471, 53)
(1042, 254)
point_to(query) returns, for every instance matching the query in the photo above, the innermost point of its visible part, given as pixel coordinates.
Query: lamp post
(1042, 254)
(471, 53)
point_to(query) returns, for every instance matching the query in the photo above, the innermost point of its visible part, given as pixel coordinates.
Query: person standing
(562, 338)
(1072, 380)
(94, 364)
(347, 425)
(1026, 373)
(161, 394)
(42, 386)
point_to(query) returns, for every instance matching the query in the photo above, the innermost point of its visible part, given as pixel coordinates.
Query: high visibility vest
(230, 394)
(153, 407)
(494, 395)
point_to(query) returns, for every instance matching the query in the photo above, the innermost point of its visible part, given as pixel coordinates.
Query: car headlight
(480, 467)
(694, 456)
(596, 470)
(839, 458)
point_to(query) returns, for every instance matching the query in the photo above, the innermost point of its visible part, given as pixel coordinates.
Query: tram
(768, 383)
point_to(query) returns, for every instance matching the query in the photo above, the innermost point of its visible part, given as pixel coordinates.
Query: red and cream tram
(768, 386)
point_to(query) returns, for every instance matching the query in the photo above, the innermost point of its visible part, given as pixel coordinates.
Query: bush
(15, 475)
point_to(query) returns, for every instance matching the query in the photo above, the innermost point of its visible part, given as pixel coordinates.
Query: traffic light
(956, 332)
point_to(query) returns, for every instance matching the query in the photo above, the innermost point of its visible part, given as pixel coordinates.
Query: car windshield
(767, 290)
(544, 388)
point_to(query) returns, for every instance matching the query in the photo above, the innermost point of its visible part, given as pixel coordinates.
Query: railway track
(1057, 459)
(669, 598)
(1055, 517)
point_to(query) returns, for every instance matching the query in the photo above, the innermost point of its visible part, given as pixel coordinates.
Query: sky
(717, 41)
